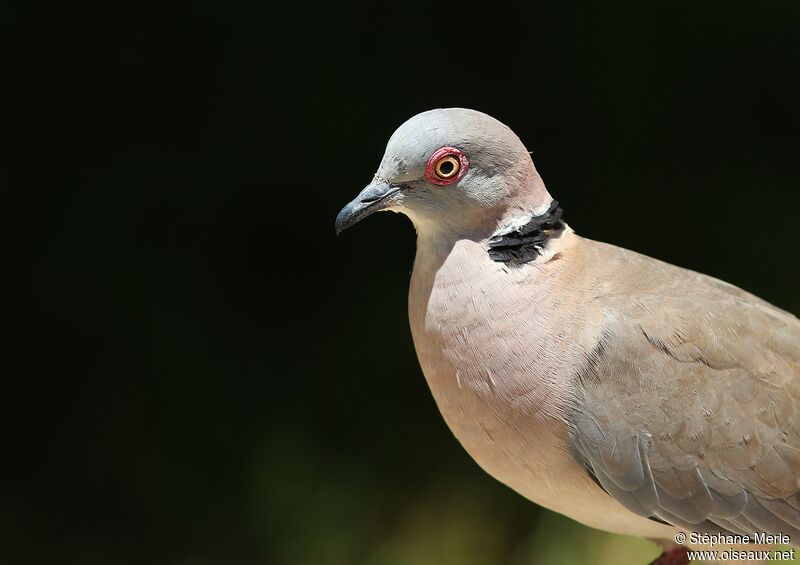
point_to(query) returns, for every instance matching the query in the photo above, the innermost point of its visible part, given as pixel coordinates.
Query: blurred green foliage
(315, 518)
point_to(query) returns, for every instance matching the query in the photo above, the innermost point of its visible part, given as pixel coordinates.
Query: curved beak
(370, 200)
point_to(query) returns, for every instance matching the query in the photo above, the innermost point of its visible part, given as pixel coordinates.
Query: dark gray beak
(370, 200)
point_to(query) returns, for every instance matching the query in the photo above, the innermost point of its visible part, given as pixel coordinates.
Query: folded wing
(687, 410)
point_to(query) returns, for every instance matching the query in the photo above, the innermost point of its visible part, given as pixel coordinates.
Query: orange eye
(447, 167)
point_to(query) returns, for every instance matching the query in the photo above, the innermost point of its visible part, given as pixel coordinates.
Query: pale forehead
(413, 142)
(424, 128)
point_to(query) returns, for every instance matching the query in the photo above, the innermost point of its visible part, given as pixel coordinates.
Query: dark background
(197, 371)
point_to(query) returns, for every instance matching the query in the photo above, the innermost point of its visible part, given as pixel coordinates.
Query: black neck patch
(526, 243)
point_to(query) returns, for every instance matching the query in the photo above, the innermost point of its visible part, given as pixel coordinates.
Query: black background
(198, 371)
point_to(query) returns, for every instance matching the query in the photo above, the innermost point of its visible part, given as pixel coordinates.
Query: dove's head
(452, 170)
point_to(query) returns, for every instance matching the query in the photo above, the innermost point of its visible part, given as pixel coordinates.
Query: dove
(626, 393)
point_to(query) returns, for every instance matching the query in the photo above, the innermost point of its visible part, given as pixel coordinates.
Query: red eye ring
(446, 166)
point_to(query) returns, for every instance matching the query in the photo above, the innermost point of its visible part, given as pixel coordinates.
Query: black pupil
(446, 168)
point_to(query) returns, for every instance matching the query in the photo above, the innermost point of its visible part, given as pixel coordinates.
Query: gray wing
(687, 409)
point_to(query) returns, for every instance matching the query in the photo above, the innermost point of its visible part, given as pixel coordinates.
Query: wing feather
(688, 412)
